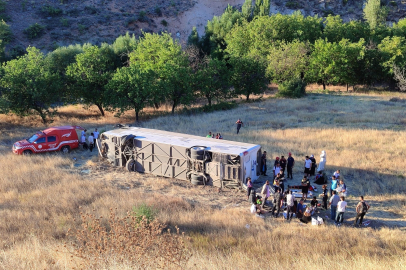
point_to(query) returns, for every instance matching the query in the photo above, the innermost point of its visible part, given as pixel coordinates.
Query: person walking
(290, 163)
(263, 164)
(341, 206)
(334, 199)
(90, 139)
(361, 209)
(278, 197)
(239, 125)
(307, 166)
(290, 203)
(265, 193)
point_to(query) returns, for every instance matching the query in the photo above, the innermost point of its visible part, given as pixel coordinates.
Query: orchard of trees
(239, 54)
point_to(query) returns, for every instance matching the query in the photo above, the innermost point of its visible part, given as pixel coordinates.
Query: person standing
(313, 166)
(333, 185)
(249, 187)
(362, 209)
(341, 206)
(307, 166)
(300, 209)
(90, 139)
(278, 197)
(323, 159)
(265, 193)
(342, 188)
(96, 135)
(276, 170)
(83, 141)
(325, 197)
(282, 162)
(263, 164)
(290, 203)
(209, 135)
(239, 125)
(290, 163)
(305, 187)
(333, 204)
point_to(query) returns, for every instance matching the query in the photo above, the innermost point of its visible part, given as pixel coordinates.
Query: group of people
(286, 200)
(91, 139)
(217, 136)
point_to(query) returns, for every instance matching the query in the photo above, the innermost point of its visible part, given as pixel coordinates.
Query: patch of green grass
(145, 211)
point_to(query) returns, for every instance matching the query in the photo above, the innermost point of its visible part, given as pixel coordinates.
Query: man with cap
(282, 162)
(290, 163)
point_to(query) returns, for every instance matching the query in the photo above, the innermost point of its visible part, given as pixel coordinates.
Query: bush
(295, 88)
(144, 211)
(34, 31)
(142, 16)
(292, 5)
(102, 242)
(48, 10)
(164, 23)
(158, 11)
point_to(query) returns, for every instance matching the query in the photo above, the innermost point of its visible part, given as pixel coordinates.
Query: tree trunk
(173, 107)
(248, 97)
(100, 109)
(136, 115)
(42, 115)
(209, 100)
(156, 105)
(347, 87)
(324, 86)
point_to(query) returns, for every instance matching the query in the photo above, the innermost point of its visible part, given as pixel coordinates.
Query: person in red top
(239, 125)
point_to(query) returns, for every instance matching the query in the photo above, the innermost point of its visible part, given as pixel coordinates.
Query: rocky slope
(64, 22)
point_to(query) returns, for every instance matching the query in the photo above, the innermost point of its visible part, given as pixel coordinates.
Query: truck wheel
(197, 150)
(196, 182)
(130, 165)
(27, 152)
(196, 177)
(65, 149)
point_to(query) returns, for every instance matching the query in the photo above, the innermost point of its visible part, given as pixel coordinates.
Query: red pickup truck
(63, 139)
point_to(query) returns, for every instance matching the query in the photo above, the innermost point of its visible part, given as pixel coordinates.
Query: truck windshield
(33, 138)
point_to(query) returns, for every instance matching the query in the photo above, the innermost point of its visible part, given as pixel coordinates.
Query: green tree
(5, 37)
(123, 46)
(287, 60)
(29, 86)
(212, 80)
(130, 88)
(164, 56)
(90, 74)
(247, 76)
(374, 13)
(247, 10)
(262, 8)
(393, 51)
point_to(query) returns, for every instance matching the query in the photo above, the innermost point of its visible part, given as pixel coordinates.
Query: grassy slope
(363, 135)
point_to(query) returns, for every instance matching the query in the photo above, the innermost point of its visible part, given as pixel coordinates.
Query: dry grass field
(364, 136)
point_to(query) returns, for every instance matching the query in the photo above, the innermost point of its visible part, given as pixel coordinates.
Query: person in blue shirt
(333, 184)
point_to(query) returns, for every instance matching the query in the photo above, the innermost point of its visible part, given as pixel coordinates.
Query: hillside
(79, 21)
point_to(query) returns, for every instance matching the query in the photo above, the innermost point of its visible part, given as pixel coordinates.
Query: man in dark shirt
(300, 209)
(263, 164)
(282, 162)
(290, 163)
(277, 203)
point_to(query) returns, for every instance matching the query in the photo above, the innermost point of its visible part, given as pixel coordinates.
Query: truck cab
(63, 139)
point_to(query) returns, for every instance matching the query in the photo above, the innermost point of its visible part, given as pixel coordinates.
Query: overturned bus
(200, 160)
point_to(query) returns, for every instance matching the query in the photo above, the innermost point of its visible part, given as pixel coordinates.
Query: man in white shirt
(308, 166)
(96, 135)
(290, 202)
(90, 139)
(341, 206)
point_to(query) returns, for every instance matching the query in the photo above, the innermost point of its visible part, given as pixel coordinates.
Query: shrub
(48, 10)
(142, 16)
(164, 23)
(34, 31)
(295, 88)
(144, 211)
(292, 5)
(158, 11)
(5, 32)
(126, 240)
(64, 22)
